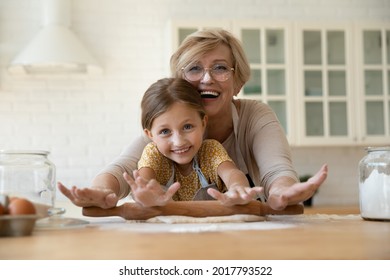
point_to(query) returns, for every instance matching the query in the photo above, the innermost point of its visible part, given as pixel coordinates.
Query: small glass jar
(374, 184)
(31, 175)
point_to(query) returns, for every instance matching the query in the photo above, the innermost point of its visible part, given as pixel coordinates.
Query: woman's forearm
(107, 180)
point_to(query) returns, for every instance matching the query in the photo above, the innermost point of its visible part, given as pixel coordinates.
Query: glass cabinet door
(324, 86)
(181, 30)
(184, 32)
(376, 87)
(266, 50)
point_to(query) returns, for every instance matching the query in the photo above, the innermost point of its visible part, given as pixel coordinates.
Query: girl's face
(178, 133)
(216, 95)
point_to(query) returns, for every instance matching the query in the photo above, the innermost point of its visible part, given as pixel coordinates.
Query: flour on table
(181, 224)
(198, 225)
(197, 220)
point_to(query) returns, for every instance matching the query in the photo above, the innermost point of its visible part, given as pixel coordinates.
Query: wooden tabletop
(320, 233)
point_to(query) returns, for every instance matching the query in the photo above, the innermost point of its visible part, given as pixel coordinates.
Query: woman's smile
(209, 94)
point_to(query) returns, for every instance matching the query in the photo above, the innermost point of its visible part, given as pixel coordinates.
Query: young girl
(178, 164)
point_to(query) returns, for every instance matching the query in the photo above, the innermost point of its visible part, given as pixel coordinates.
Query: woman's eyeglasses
(219, 72)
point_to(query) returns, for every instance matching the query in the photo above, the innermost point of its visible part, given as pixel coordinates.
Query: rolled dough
(239, 218)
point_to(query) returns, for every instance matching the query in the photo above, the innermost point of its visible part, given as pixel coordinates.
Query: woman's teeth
(209, 94)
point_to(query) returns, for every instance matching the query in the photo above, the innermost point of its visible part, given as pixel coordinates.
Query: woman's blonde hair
(161, 95)
(198, 43)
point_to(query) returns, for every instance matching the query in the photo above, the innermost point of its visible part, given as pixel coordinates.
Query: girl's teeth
(181, 151)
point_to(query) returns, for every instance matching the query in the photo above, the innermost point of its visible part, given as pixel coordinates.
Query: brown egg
(2, 209)
(4, 201)
(20, 206)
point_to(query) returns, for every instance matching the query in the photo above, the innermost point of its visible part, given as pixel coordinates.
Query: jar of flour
(374, 184)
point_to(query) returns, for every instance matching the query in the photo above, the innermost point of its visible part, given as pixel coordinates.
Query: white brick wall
(85, 121)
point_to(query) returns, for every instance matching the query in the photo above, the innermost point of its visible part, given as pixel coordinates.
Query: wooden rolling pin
(134, 211)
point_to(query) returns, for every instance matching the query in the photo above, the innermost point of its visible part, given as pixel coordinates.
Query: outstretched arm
(103, 193)
(147, 191)
(239, 191)
(285, 191)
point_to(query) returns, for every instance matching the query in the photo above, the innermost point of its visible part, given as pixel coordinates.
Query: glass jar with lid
(28, 174)
(31, 175)
(374, 184)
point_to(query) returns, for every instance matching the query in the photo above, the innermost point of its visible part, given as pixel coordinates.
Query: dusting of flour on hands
(239, 218)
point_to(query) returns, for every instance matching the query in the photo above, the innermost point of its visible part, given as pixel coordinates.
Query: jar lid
(378, 149)
(28, 152)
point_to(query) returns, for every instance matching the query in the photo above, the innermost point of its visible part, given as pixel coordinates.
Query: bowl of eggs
(17, 216)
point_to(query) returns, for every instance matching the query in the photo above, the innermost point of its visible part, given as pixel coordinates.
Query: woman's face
(216, 95)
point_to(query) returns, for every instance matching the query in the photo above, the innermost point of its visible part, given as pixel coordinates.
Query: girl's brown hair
(161, 95)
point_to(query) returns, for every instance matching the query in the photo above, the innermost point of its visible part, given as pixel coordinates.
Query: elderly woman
(214, 62)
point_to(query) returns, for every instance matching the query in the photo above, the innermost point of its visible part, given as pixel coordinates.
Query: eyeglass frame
(210, 71)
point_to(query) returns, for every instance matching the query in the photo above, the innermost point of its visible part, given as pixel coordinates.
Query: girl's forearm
(236, 178)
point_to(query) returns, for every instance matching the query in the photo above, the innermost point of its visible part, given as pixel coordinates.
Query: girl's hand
(149, 193)
(236, 195)
(85, 197)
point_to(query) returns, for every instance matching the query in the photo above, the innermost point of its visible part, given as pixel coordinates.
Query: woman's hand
(149, 192)
(283, 192)
(236, 195)
(95, 196)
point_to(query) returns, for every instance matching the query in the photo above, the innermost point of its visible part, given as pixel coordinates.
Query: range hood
(55, 49)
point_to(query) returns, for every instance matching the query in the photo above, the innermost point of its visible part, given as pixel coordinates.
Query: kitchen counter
(320, 233)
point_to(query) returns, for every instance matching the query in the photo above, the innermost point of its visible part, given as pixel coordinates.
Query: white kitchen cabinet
(373, 78)
(328, 84)
(343, 84)
(267, 46)
(323, 71)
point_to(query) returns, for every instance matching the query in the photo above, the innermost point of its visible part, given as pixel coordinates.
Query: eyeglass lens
(219, 72)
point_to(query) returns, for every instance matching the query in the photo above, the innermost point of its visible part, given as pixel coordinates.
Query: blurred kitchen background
(324, 65)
